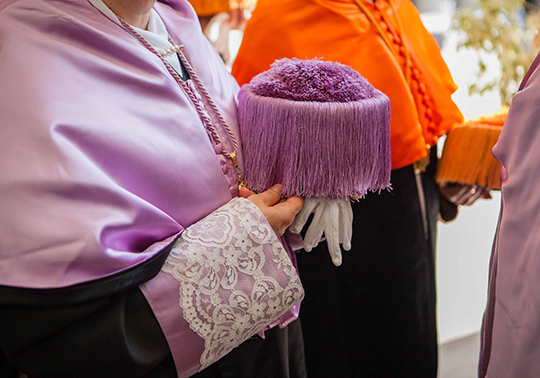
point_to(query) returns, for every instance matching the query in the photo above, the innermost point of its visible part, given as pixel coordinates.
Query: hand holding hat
(322, 131)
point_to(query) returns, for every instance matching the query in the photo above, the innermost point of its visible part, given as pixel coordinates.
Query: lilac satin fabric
(186, 346)
(511, 329)
(102, 157)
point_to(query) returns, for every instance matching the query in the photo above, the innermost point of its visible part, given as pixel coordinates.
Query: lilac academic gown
(511, 328)
(104, 161)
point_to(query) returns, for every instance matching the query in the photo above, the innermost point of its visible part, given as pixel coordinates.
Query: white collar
(156, 34)
(156, 27)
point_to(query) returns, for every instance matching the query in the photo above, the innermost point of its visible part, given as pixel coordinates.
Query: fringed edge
(310, 158)
(467, 157)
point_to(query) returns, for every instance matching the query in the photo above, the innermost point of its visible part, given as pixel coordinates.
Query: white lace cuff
(235, 277)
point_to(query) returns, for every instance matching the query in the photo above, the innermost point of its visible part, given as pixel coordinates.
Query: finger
(331, 231)
(283, 213)
(486, 193)
(291, 207)
(462, 195)
(315, 229)
(235, 18)
(465, 194)
(454, 191)
(313, 236)
(472, 199)
(341, 222)
(245, 192)
(335, 253)
(292, 204)
(269, 197)
(346, 223)
(288, 209)
(472, 195)
(303, 215)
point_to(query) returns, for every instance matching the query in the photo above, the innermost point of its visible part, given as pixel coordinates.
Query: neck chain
(200, 110)
(385, 37)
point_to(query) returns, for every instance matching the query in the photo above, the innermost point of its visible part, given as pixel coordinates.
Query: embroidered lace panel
(235, 277)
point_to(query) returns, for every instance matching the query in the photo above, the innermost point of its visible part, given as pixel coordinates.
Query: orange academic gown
(375, 315)
(337, 30)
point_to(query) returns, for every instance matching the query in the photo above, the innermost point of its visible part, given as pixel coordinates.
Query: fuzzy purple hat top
(318, 128)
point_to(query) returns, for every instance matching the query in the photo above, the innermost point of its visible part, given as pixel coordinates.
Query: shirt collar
(155, 24)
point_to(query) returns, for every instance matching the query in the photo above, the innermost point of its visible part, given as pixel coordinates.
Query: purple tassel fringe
(315, 149)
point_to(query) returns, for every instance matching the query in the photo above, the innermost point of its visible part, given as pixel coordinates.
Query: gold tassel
(467, 157)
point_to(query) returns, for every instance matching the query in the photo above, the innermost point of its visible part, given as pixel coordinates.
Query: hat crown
(312, 80)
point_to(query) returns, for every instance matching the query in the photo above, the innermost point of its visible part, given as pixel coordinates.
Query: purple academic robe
(511, 329)
(104, 161)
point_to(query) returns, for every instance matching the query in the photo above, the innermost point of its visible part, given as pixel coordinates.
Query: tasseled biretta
(318, 128)
(467, 157)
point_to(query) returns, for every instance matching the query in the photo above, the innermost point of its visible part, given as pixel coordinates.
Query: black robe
(375, 316)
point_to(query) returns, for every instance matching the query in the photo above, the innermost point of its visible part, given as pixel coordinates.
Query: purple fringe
(315, 149)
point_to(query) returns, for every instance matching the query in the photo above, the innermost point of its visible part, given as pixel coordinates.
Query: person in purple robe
(126, 246)
(510, 344)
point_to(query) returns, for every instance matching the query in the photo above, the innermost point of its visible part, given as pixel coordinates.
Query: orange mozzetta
(339, 30)
(210, 7)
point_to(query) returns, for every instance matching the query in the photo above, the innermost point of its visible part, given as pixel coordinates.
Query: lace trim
(235, 277)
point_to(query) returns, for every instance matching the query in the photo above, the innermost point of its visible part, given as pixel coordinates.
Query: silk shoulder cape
(104, 159)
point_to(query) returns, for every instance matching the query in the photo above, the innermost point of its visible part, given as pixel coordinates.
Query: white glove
(333, 217)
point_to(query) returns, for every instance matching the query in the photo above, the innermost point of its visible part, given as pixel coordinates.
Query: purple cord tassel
(318, 128)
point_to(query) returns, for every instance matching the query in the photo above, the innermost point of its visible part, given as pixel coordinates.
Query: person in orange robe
(375, 315)
(206, 9)
(228, 14)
